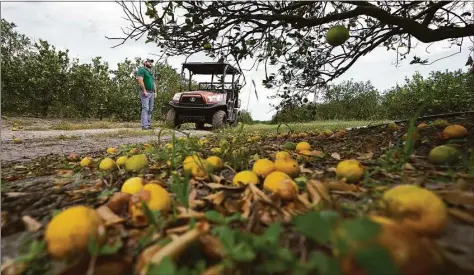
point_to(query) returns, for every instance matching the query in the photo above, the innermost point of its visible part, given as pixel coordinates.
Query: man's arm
(140, 75)
(141, 83)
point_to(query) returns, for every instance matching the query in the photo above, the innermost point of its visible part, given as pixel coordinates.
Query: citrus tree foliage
(246, 117)
(291, 34)
(440, 92)
(40, 80)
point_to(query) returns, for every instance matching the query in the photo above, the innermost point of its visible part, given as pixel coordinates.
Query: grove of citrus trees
(40, 80)
(441, 92)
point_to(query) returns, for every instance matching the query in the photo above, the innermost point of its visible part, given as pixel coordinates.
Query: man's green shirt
(147, 78)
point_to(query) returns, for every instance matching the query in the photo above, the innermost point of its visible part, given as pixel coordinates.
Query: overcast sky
(81, 27)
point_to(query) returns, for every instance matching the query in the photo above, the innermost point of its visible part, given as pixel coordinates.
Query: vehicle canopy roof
(210, 68)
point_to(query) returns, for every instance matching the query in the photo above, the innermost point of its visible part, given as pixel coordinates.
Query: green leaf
(165, 267)
(341, 245)
(215, 216)
(313, 226)
(109, 249)
(181, 187)
(274, 267)
(37, 247)
(227, 237)
(285, 255)
(272, 234)
(93, 246)
(331, 216)
(376, 260)
(242, 252)
(149, 214)
(360, 229)
(324, 264)
(235, 217)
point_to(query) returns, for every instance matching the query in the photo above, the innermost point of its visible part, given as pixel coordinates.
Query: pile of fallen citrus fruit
(167, 193)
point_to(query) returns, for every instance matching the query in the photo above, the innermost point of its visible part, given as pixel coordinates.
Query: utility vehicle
(215, 102)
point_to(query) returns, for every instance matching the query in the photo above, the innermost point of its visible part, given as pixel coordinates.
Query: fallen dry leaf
(211, 246)
(178, 245)
(15, 194)
(342, 186)
(178, 230)
(145, 256)
(64, 172)
(303, 199)
(191, 215)
(31, 224)
(408, 166)
(12, 267)
(218, 179)
(457, 197)
(462, 215)
(215, 198)
(232, 206)
(317, 191)
(365, 156)
(348, 193)
(336, 156)
(259, 193)
(62, 181)
(220, 186)
(119, 202)
(108, 215)
(331, 169)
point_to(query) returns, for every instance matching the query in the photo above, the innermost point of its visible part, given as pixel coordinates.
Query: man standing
(147, 87)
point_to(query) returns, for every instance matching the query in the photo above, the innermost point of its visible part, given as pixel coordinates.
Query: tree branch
(430, 12)
(420, 32)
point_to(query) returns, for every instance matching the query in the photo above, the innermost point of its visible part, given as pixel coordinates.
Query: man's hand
(145, 93)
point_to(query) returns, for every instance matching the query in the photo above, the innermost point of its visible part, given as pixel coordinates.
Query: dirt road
(43, 143)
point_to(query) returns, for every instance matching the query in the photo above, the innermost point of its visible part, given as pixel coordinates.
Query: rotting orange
(69, 232)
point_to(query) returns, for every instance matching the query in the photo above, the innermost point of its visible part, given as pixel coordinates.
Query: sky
(82, 28)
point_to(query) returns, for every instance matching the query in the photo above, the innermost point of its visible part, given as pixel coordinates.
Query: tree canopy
(40, 80)
(291, 34)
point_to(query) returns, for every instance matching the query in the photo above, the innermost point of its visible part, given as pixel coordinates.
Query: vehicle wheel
(171, 120)
(199, 125)
(219, 119)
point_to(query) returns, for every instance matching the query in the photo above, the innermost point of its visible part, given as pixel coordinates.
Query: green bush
(39, 80)
(245, 117)
(441, 92)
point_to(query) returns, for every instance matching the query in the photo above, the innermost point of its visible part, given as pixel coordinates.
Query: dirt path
(27, 135)
(43, 143)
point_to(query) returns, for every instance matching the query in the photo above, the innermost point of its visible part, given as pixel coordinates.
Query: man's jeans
(147, 108)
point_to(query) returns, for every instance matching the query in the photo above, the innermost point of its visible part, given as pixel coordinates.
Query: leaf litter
(215, 227)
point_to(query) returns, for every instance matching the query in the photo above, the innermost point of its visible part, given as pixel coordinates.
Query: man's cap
(149, 60)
